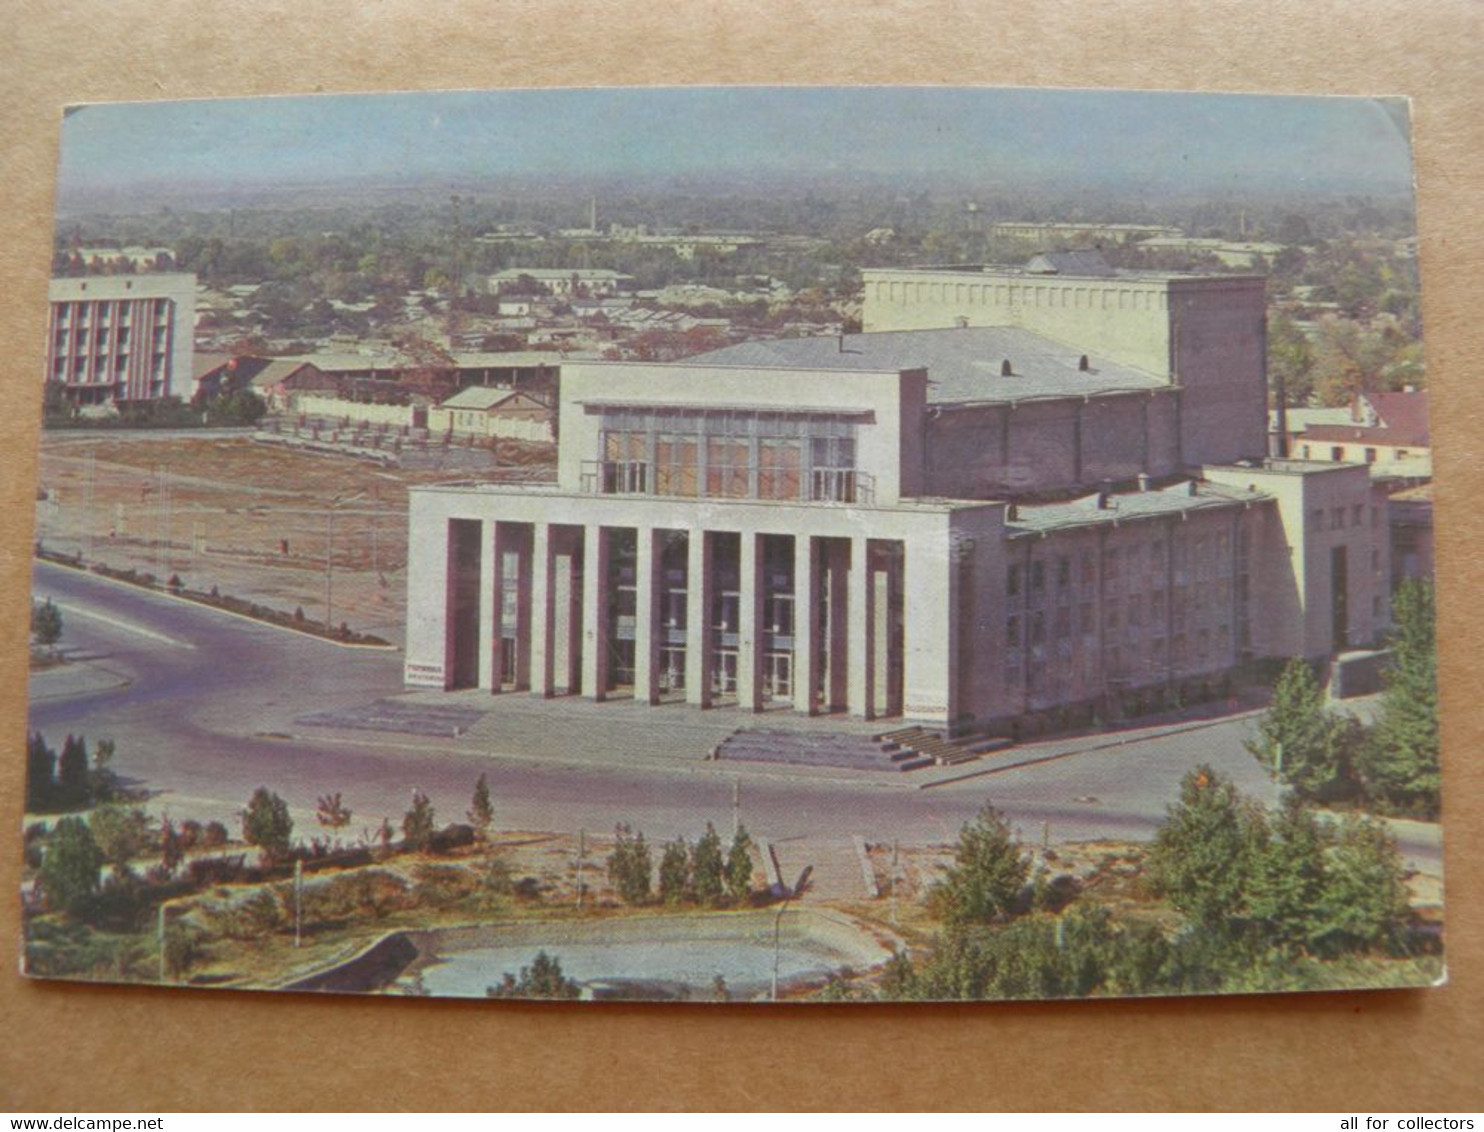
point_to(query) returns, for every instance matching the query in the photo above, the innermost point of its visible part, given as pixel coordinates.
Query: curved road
(194, 698)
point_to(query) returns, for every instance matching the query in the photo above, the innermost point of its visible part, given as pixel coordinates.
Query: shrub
(417, 823)
(266, 823)
(739, 867)
(1364, 903)
(1308, 747)
(69, 866)
(542, 979)
(122, 833)
(987, 875)
(1204, 853)
(675, 872)
(630, 867)
(707, 868)
(481, 809)
(213, 835)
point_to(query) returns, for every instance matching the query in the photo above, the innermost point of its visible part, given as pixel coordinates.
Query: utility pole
(581, 853)
(87, 514)
(329, 571)
(160, 933)
(895, 860)
(736, 807)
(298, 901)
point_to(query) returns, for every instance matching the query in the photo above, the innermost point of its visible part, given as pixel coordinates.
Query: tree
(1365, 899)
(74, 784)
(1290, 361)
(417, 823)
(69, 868)
(630, 867)
(1299, 740)
(121, 832)
(41, 769)
(1400, 759)
(331, 812)
(102, 781)
(707, 868)
(172, 847)
(675, 872)
(266, 823)
(1204, 852)
(542, 979)
(1289, 877)
(482, 810)
(988, 871)
(739, 867)
(46, 623)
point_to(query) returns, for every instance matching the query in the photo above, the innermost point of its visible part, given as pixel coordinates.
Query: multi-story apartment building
(115, 339)
(1019, 490)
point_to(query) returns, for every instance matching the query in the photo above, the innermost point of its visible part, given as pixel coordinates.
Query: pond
(655, 956)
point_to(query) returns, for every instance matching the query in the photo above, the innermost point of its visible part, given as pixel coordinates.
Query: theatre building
(1010, 511)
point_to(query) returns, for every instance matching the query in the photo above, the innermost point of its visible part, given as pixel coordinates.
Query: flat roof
(963, 363)
(1174, 499)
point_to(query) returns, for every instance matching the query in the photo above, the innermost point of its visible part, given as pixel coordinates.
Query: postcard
(735, 544)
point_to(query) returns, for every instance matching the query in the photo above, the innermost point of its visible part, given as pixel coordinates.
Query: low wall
(357, 412)
(503, 428)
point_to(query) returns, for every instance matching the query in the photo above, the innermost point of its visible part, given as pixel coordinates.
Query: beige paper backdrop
(81, 1048)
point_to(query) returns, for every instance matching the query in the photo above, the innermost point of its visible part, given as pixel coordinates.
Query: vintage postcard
(735, 545)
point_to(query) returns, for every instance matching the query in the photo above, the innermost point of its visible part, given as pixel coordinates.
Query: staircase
(913, 747)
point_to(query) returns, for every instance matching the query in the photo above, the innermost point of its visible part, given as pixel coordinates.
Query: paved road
(199, 704)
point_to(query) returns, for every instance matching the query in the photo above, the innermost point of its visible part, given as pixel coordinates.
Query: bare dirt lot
(286, 529)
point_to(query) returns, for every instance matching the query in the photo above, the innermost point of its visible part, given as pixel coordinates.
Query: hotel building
(115, 339)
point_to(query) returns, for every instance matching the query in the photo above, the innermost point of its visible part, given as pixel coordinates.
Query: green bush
(988, 872)
(69, 866)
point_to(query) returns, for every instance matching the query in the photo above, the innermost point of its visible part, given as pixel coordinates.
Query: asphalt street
(203, 708)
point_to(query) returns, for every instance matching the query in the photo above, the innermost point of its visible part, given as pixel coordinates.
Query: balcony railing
(631, 477)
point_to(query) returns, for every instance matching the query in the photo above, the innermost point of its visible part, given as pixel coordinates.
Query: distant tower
(592, 215)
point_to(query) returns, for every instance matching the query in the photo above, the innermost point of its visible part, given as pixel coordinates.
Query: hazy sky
(1202, 142)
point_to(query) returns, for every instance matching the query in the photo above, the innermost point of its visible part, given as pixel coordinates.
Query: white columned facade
(489, 606)
(860, 680)
(806, 626)
(595, 600)
(541, 611)
(698, 619)
(648, 544)
(749, 622)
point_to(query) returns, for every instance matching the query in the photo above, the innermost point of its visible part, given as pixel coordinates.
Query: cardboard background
(84, 1048)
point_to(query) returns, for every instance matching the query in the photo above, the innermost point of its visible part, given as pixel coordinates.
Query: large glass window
(727, 454)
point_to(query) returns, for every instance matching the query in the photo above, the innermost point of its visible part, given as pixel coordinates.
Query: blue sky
(1203, 142)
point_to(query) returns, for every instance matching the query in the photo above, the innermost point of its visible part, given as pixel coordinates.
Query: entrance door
(1339, 581)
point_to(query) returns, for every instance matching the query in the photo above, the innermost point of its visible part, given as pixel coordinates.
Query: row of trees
(1263, 898)
(1327, 756)
(72, 781)
(699, 874)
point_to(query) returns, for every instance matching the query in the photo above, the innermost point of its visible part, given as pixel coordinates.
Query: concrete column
(806, 626)
(542, 592)
(861, 655)
(489, 606)
(521, 543)
(931, 620)
(837, 565)
(750, 623)
(647, 573)
(595, 603)
(698, 619)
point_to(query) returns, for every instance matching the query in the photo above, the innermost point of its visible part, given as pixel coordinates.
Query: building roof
(964, 364)
(1084, 261)
(1177, 498)
(1403, 414)
(482, 397)
(280, 369)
